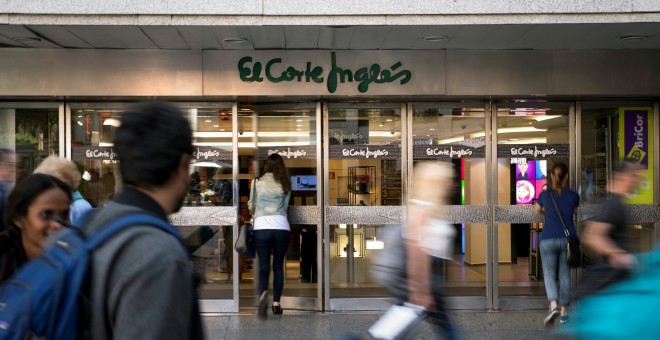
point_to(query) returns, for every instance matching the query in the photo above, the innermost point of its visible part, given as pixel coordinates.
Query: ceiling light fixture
(630, 38)
(435, 38)
(234, 40)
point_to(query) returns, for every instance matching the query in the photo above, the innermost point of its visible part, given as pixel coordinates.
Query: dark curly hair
(150, 142)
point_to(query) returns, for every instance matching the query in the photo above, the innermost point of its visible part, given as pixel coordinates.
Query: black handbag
(573, 252)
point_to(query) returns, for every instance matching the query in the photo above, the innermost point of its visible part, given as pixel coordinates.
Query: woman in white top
(269, 200)
(429, 240)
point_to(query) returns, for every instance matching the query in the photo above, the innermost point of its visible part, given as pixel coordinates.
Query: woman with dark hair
(558, 204)
(35, 209)
(269, 199)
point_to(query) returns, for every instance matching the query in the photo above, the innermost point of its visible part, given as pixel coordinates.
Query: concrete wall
(319, 12)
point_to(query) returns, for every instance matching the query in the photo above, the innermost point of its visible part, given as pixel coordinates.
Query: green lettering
(313, 73)
(247, 74)
(337, 72)
(269, 75)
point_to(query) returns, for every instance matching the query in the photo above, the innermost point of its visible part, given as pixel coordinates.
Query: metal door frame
(504, 213)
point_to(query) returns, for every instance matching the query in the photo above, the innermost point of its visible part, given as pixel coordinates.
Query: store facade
(351, 125)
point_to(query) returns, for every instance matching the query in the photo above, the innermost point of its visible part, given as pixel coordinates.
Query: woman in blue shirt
(269, 200)
(554, 241)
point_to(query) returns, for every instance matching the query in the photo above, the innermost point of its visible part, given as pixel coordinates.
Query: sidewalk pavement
(306, 325)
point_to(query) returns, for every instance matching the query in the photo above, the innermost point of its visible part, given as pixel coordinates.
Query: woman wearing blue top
(554, 242)
(269, 199)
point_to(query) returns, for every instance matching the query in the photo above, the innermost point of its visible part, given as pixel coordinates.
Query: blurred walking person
(429, 241)
(558, 204)
(605, 235)
(67, 171)
(7, 176)
(269, 201)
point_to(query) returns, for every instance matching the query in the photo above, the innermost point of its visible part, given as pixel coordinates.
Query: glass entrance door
(456, 133)
(528, 139)
(364, 180)
(291, 130)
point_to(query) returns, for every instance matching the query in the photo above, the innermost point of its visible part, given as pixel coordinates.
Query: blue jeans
(275, 242)
(553, 255)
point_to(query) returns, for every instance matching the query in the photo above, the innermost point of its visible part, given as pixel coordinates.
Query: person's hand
(622, 260)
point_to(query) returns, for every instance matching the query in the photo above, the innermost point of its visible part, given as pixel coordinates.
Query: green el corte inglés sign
(275, 72)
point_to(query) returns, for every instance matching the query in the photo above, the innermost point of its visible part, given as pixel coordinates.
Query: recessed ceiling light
(245, 109)
(629, 38)
(381, 125)
(513, 139)
(299, 125)
(298, 129)
(388, 120)
(234, 40)
(298, 120)
(216, 125)
(207, 121)
(431, 129)
(435, 38)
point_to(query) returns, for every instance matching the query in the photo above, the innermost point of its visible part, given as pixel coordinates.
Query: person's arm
(539, 209)
(418, 262)
(251, 201)
(596, 237)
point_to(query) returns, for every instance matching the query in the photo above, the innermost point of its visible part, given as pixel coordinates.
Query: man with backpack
(142, 284)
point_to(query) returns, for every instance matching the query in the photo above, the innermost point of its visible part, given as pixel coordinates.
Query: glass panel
(524, 129)
(290, 131)
(365, 157)
(212, 259)
(364, 170)
(350, 275)
(32, 133)
(612, 131)
(92, 132)
(605, 140)
(211, 168)
(456, 133)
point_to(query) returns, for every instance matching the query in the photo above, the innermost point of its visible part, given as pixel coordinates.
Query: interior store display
(361, 189)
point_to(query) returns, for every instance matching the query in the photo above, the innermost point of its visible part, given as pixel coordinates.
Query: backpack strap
(96, 239)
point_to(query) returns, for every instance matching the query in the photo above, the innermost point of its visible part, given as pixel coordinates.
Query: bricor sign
(534, 151)
(289, 152)
(636, 134)
(368, 151)
(446, 152)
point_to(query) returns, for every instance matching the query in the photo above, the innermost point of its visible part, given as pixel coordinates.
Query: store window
(92, 133)
(611, 132)
(455, 133)
(364, 170)
(32, 133)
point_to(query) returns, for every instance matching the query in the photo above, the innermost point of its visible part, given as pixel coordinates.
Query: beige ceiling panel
(267, 37)
(402, 37)
(166, 37)
(130, 36)
(335, 38)
(95, 36)
(301, 37)
(368, 37)
(200, 37)
(59, 36)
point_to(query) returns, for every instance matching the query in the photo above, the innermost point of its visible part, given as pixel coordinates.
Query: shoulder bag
(573, 252)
